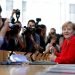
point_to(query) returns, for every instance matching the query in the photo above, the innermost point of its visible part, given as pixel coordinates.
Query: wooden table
(24, 69)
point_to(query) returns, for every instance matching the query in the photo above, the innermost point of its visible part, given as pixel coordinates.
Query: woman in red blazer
(67, 55)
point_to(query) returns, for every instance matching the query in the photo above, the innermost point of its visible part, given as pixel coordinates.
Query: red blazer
(67, 55)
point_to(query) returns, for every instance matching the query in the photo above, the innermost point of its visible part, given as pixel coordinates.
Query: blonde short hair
(69, 23)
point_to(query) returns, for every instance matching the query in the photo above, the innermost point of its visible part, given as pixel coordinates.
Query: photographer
(32, 38)
(16, 28)
(52, 34)
(12, 40)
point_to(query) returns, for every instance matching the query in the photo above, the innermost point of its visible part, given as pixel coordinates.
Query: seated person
(67, 55)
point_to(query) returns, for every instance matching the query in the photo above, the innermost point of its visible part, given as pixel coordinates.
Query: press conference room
(37, 37)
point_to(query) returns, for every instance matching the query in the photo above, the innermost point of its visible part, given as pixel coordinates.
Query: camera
(28, 30)
(37, 21)
(12, 25)
(17, 11)
(13, 28)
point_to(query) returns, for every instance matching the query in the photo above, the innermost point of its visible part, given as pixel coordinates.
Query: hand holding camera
(13, 12)
(17, 13)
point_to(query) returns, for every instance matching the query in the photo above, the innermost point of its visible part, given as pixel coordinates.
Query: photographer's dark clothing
(42, 44)
(29, 43)
(11, 44)
(4, 45)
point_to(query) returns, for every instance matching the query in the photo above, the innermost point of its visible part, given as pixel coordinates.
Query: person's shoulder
(73, 39)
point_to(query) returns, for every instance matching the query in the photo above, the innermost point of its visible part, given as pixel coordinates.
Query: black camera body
(37, 21)
(13, 31)
(17, 11)
(28, 31)
(13, 28)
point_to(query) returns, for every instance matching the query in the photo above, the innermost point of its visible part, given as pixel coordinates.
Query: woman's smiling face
(68, 31)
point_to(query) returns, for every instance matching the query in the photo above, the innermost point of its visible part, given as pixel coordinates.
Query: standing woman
(67, 55)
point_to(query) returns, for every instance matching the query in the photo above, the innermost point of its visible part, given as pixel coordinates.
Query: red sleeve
(57, 54)
(67, 56)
